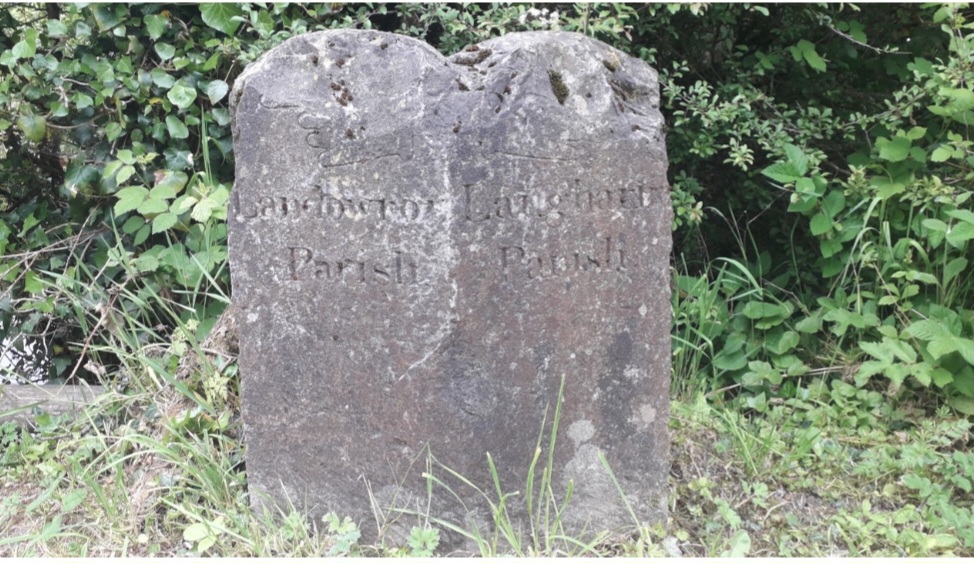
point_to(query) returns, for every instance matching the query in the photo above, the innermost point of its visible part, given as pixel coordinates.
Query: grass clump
(154, 467)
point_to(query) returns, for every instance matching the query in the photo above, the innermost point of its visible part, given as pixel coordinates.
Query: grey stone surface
(422, 247)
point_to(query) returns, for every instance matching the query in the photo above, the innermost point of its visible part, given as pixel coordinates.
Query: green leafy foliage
(832, 143)
(821, 165)
(879, 180)
(345, 533)
(423, 541)
(114, 123)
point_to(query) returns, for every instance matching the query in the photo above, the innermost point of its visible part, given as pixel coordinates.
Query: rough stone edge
(17, 401)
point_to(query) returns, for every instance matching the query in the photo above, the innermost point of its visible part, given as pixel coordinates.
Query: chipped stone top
(599, 90)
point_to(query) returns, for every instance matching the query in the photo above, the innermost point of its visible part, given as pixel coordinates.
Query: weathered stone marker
(422, 247)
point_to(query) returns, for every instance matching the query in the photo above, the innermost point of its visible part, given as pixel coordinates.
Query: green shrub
(832, 142)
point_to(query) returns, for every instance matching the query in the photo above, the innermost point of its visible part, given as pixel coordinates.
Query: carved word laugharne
(485, 204)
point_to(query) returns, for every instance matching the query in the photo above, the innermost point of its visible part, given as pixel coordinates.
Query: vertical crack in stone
(446, 323)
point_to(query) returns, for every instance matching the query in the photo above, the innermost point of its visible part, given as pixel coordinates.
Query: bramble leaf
(163, 222)
(130, 198)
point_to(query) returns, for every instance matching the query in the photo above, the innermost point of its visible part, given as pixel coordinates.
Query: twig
(766, 514)
(816, 371)
(852, 39)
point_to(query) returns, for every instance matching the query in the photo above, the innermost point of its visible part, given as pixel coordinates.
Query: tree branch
(852, 39)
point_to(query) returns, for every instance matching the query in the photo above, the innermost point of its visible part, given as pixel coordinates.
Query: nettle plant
(895, 231)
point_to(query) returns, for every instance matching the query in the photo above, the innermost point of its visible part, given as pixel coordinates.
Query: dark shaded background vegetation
(820, 157)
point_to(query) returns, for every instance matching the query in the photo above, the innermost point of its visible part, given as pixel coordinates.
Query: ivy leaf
(216, 90)
(26, 48)
(177, 159)
(33, 126)
(56, 29)
(79, 175)
(165, 51)
(221, 116)
(155, 25)
(176, 128)
(220, 16)
(161, 78)
(106, 15)
(105, 73)
(130, 198)
(182, 95)
(82, 100)
(32, 284)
